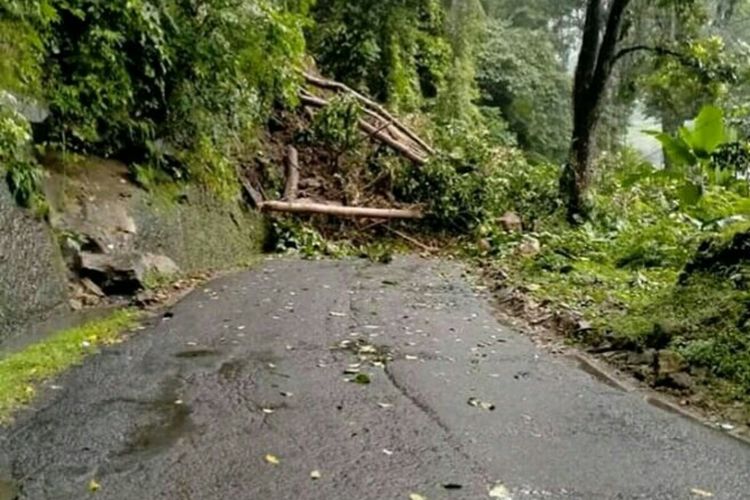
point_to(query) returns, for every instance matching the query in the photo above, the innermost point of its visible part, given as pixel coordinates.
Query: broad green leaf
(709, 131)
(676, 149)
(689, 194)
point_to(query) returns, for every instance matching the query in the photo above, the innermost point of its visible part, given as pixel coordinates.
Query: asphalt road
(256, 368)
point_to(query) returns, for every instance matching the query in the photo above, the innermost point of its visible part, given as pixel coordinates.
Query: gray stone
(669, 362)
(511, 222)
(530, 246)
(646, 357)
(124, 274)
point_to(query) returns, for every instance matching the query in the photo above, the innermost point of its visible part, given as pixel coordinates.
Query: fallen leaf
(94, 486)
(476, 403)
(385, 405)
(267, 411)
(271, 459)
(362, 379)
(701, 493)
(337, 314)
(315, 475)
(409, 357)
(387, 452)
(501, 492)
(416, 496)
(287, 394)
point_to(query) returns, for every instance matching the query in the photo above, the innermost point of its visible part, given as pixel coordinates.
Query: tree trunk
(596, 59)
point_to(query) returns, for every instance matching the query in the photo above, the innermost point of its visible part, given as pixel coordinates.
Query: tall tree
(601, 32)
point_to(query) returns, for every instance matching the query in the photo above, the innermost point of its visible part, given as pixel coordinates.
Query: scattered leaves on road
(272, 459)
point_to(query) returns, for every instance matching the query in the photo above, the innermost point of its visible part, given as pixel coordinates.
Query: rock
(124, 274)
(511, 222)
(529, 247)
(680, 380)
(127, 225)
(160, 264)
(669, 362)
(646, 358)
(92, 287)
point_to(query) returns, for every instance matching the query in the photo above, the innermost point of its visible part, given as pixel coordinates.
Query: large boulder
(125, 274)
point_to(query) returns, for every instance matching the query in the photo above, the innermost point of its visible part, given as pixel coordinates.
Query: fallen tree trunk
(321, 208)
(334, 85)
(371, 130)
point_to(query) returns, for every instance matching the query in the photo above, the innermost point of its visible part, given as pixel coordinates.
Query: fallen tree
(370, 106)
(308, 207)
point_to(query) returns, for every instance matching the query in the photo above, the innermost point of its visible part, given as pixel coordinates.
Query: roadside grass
(704, 319)
(20, 372)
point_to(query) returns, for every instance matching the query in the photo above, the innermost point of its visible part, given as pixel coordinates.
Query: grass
(627, 287)
(20, 372)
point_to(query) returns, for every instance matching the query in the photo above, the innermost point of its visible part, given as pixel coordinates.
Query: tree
(521, 76)
(596, 59)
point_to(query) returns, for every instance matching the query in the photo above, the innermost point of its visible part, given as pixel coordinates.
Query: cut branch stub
(291, 167)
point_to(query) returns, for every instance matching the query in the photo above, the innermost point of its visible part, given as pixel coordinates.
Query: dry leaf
(94, 486)
(314, 475)
(271, 459)
(701, 493)
(501, 492)
(416, 496)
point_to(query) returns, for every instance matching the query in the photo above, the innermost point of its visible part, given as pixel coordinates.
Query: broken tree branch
(373, 131)
(321, 208)
(291, 167)
(369, 103)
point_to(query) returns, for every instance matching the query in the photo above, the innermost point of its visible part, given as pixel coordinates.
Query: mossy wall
(94, 199)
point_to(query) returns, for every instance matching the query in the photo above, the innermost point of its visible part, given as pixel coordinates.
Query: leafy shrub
(173, 83)
(22, 173)
(471, 184)
(336, 125)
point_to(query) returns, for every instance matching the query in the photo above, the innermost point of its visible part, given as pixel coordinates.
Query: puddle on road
(168, 421)
(8, 489)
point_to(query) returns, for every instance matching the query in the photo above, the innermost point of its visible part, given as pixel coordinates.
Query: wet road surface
(263, 366)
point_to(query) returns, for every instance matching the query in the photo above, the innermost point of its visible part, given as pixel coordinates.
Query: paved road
(191, 407)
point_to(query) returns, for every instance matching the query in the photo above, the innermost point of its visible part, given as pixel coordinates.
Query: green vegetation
(21, 371)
